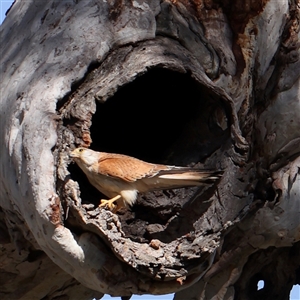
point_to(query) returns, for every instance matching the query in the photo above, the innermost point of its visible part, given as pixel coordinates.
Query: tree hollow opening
(161, 117)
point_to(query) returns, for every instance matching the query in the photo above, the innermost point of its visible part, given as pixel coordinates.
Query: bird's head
(85, 156)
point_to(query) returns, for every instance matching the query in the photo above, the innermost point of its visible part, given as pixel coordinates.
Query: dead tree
(213, 84)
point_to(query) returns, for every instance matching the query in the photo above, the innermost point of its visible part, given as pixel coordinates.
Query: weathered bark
(213, 84)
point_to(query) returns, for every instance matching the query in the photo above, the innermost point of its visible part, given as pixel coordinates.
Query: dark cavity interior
(161, 117)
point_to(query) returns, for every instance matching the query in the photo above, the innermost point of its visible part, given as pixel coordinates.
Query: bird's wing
(125, 167)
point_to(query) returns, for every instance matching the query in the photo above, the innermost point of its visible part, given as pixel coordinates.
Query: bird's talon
(107, 204)
(110, 203)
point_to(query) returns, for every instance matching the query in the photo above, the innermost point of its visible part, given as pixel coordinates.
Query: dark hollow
(151, 117)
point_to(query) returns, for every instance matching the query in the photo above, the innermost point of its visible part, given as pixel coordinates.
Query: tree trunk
(213, 84)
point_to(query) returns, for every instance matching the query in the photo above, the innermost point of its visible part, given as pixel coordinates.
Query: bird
(121, 177)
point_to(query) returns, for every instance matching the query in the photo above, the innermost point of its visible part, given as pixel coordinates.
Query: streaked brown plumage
(121, 177)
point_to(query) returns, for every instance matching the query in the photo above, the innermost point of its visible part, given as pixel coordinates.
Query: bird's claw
(108, 203)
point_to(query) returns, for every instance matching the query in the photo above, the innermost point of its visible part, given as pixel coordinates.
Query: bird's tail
(178, 177)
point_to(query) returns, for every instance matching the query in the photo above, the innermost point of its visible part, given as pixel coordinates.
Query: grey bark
(213, 84)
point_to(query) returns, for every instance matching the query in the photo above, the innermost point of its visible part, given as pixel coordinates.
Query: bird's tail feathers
(183, 177)
(201, 176)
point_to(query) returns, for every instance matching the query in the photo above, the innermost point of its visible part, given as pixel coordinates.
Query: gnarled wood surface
(213, 84)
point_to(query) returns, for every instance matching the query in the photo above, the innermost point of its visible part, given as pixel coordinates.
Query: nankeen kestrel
(122, 177)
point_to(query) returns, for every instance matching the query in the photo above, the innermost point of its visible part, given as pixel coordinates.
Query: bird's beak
(74, 153)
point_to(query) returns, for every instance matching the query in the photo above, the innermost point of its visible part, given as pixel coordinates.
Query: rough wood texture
(213, 84)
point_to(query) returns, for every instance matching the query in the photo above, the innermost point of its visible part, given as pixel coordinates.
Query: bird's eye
(80, 150)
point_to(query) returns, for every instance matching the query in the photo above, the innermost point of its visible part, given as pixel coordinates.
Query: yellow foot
(110, 203)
